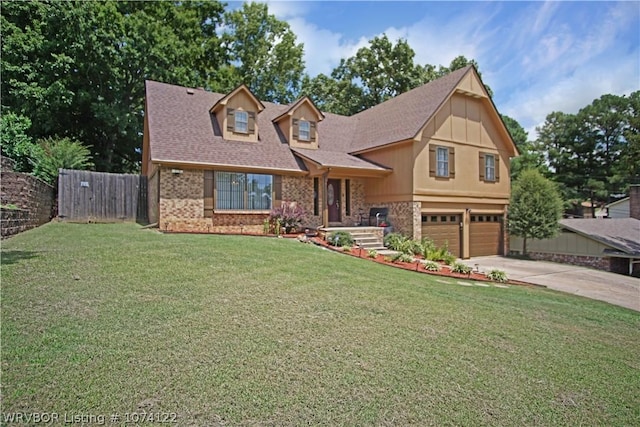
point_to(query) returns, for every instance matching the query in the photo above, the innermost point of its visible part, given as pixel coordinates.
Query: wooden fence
(101, 197)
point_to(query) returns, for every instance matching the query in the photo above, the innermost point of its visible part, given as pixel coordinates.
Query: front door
(333, 199)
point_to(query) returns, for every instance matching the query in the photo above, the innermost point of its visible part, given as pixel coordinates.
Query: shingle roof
(182, 129)
(337, 159)
(622, 234)
(403, 116)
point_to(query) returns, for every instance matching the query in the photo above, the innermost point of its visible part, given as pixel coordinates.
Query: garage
(443, 229)
(485, 235)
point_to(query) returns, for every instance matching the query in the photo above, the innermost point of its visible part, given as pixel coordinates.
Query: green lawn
(102, 319)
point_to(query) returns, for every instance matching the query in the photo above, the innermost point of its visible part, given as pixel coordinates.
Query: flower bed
(417, 266)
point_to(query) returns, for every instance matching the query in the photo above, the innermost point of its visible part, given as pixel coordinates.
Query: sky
(537, 57)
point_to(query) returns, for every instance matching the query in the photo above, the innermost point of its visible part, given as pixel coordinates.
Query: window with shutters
(442, 161)
(489, 167)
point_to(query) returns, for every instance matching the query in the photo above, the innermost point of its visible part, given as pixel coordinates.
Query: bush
(398, 242)
(290, 216)
(497, 275)
(53, 154)
(346, 248)
(441, 254)
(461, 268)
(340, 238)
(372, 253)
(431, 266)
(401, 257)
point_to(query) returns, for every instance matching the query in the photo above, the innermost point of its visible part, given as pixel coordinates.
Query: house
(437, 157)
(618, 209)
(610, 244)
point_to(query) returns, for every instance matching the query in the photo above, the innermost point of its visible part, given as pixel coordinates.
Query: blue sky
(538, 57)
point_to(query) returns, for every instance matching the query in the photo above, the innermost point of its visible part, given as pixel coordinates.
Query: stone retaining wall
(34, 199)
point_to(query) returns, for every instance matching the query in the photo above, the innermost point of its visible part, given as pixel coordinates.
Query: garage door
(443, 229)
(485, 235)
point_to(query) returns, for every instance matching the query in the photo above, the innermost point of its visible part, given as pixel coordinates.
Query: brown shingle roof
(182, 129)
(402, 117)
(622, 234)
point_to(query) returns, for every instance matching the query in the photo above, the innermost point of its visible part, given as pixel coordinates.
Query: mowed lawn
(238, 330)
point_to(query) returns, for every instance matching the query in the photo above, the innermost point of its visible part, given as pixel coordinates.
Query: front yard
(233, 330)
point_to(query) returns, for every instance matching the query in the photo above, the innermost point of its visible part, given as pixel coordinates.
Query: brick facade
(614, 265)
(35, 198)
(405, 217)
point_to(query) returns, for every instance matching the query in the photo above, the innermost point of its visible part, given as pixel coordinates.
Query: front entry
(333, 199)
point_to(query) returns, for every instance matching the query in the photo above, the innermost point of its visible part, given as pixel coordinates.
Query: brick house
(437, 157)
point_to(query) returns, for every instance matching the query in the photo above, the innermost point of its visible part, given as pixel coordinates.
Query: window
(489, 167)
(442, 161)
(304, 130)
(240, 191)
(242, 122)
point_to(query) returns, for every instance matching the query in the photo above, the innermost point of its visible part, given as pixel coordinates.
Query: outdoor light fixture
(176, 171)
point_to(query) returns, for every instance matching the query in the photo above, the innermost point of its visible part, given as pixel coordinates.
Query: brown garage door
(485, 235)
(443, 229)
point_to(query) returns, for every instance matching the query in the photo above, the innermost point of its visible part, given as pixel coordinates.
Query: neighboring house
(437, 157)
(618, 209)
(605, 244)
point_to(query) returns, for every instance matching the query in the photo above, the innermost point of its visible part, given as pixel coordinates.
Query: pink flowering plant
(288, 216)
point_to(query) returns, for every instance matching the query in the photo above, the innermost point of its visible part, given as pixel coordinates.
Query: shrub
(461, 268)
(427, 246)
(50, 155)
(346, 248)
(401, 257)
(497, 275)
(372, 253)
(441, 254)
(431, 266)
(340, 238)
(290, 216)
(394, 241)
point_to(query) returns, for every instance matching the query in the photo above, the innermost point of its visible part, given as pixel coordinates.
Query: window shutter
(277, 191)
(208, 193)
(497, 165)
(452, 162)
(294, 125)
(312, 131)
(481, 166)
(231, 119)
(252, 122)
(432, 160)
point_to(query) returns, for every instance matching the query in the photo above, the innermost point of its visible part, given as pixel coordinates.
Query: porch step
(368, 240)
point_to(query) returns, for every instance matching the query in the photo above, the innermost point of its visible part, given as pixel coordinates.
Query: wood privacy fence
(101, 197)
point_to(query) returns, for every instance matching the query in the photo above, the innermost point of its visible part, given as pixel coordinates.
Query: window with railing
(243, 191)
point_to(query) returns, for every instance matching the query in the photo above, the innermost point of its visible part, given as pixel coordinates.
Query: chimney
(634, 201)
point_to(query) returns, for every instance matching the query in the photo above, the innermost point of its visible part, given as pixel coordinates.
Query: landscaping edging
(416, 266)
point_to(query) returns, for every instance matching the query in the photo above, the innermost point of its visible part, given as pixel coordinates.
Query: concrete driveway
(610, 287)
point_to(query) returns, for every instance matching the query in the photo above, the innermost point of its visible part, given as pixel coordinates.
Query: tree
(530, 157)
(16, 144)
(535, 208)
(77, 69)
(263, 53)
(54, 154)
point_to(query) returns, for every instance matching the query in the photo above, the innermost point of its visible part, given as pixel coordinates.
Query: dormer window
(304, 130)
(241, 122)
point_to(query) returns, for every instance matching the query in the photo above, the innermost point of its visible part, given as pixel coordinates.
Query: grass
(233, 330)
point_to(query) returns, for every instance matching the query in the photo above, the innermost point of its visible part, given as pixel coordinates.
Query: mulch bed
(412, 266)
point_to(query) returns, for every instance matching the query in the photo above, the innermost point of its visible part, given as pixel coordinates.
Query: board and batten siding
(567, 243)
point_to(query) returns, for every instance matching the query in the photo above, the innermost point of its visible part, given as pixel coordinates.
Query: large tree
(535, 208)
(529, 157)
(264, 55)
(77, 69)
(591, 153)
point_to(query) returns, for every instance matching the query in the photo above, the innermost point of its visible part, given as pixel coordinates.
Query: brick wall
(634, 201)
(404, 216)
(599, 263)
(181, 205)
(7, 164)
(29, 194)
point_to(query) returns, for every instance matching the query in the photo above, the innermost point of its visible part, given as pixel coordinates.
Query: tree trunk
(524, 246)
